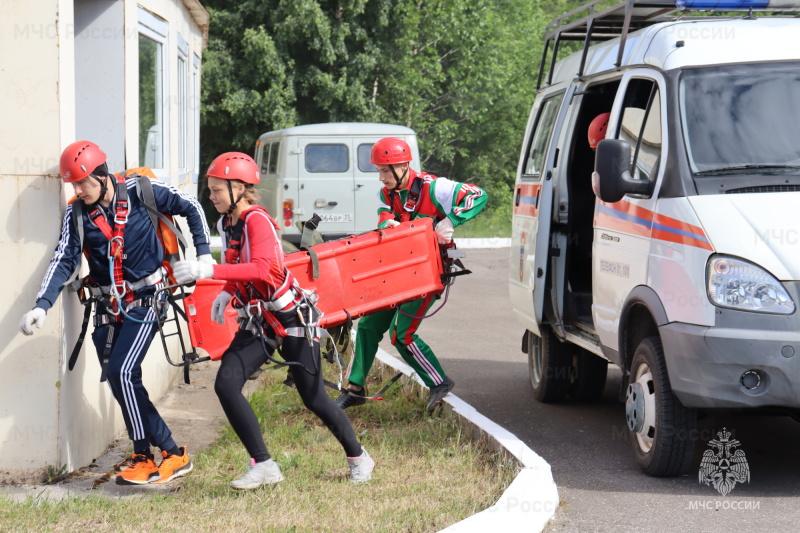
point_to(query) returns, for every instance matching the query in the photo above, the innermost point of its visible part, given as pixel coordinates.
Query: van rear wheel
(660, 427)
(549, 366)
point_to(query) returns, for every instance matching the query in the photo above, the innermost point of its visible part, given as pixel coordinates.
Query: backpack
(168, 232)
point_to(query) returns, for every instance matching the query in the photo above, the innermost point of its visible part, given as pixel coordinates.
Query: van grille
(765, 188)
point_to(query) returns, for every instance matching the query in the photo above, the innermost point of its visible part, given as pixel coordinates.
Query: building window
(153, 111)
(194, 113)
(184, 133)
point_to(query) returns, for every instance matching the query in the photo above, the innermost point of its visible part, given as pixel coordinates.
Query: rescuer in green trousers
(407, 195)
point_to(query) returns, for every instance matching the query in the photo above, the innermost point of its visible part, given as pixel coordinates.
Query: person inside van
(597, 129)
(125, 271)
(407, 195)
(596, 133)
(274, 310)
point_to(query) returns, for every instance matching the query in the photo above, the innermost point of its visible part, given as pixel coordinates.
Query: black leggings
(243, 357)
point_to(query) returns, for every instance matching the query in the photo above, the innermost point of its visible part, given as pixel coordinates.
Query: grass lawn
(429, 475)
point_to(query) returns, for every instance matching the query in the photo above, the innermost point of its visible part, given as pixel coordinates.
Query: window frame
(274, 154)
(347, 158)
(157, 29)
(184, 105)
(559, 96)
(369, 153)
(656, 91)
(194, 113)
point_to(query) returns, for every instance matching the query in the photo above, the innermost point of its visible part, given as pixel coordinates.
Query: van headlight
(737, 284)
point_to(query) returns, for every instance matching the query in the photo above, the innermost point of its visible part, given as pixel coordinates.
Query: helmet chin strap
(399, 180)
(103, 187)
(236, 201)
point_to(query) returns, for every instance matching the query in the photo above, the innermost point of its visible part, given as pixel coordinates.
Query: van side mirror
(612, 177)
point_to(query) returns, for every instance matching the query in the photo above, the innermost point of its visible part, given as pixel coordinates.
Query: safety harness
(117, 297)
(257, 314)
(408, 210)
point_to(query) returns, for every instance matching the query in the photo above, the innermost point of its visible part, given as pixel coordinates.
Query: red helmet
(79, 159)
(390, 151)
(597, 129)
(234, 166)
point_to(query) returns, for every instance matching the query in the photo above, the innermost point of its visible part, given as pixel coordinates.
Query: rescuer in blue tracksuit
(124, 286)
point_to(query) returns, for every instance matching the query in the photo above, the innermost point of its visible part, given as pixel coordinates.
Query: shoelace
(138, 459)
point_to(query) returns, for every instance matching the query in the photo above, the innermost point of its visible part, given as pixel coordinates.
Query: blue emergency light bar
(736, 4)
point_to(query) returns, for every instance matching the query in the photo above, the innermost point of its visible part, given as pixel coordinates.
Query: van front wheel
(549, 366)
(660, 427)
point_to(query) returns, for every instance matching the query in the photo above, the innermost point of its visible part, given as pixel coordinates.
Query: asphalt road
(600, 486)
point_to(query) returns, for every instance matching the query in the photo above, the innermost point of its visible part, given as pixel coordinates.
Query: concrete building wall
(68, 70)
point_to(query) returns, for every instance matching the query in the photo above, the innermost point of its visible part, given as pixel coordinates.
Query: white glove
(206, 259)
(187, 271)
(219, 306)
(444, 231)
(391, 224)
(34, 316)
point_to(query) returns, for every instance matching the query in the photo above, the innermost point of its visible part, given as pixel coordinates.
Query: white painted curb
(489, 242)
(532, 498)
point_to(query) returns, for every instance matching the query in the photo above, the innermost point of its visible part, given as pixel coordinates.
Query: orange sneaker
(173, 466)
(142, 470)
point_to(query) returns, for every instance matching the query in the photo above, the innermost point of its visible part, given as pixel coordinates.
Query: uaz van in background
(674, 251)
(324, 169)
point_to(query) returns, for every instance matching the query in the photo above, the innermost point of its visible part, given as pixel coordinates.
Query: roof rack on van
(596, 23)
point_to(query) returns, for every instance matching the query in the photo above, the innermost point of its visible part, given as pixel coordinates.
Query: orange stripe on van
(635, 220)
(525, 202)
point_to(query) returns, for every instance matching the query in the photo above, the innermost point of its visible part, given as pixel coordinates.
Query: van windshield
(742, 119)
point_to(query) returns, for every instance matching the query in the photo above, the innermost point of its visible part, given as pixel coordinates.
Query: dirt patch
(192, 412)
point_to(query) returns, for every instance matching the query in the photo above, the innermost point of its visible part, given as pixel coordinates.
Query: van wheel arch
(641, 316)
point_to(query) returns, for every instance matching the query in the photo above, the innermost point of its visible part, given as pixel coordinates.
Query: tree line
(461, 73)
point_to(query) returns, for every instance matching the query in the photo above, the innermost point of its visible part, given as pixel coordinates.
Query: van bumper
(746, 360)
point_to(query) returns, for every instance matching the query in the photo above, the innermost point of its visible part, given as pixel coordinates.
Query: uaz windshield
(742, 118)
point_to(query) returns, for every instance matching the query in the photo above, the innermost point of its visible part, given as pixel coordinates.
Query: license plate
(337, 217)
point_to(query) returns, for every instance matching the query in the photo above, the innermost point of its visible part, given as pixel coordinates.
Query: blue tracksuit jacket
(142, 248)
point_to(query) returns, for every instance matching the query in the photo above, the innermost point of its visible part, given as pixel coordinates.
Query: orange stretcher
(377, 270)
(203, 332)
(354, 277)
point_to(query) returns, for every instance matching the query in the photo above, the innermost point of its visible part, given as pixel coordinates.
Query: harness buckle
(84, 295)
(121, 213)
(115, 245)
(250, 306)
(113, 309)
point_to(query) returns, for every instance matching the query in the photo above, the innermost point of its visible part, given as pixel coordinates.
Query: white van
(324, 169)
(679, 259)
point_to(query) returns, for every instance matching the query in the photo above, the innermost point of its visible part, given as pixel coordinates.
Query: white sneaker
(264, 473)
(361, 467)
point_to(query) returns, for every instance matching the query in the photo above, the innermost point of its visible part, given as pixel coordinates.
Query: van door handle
(359, 185)
(517, 196)
(538, 192)
(333, 204)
